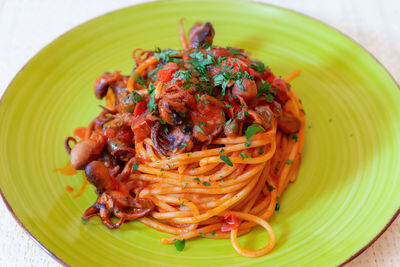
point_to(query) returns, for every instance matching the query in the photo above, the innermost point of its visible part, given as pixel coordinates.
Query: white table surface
(26, 26)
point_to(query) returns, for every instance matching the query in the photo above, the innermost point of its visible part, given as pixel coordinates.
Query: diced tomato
(281, 87)
(140, 107)
(166, 73)
(230, 223)
(268, 76)
(254, 73)
(219, 52)
(140, 128)
(237, 65)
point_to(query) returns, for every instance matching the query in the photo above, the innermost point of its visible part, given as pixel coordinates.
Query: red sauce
(80, 132)
(69, 189)
(67, 170)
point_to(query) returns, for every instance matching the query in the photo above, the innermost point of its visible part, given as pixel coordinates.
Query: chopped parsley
(260, 151)
(185, 185)
(258, 66)
(135, 166)
(294, 137)
(265, 88)
(164, 55)
(289, 161)
(140, 81)
(226, 160)
(234, 51)
(179, 245)
(222, 150)
(151, 89)
(271, 188)
(199, 129)
(206, 183)
(244, 155)
(253, 130)
(228, 106)
(278, 205)
(183, 145)
(197, 180)
(269, 98)
(136, 96)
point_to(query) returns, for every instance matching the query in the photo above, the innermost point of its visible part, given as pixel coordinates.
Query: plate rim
(61, 261)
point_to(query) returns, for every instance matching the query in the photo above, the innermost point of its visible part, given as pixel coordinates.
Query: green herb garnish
(135, 166)
(253, 130)
(199, 129)
(179, 245)
(226, 160)
(294, 137)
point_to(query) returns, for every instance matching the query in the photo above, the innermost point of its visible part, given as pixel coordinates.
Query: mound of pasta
(197, 142)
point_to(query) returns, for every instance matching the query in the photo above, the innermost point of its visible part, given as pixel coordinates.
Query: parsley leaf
(265, 88)
(206, 183)
(259, 66)
(183, 145)
(234, 51)
(203, 123)
(164, 55)
(179, 245)
(271, 188)
(199, 129)
(152, 105)
(252, 130)
(294, 137)
(278, 205)
(136, 96)
(244, 155)
(269, 98)
(135, 166)
(140, 81)
(151, 89)
(226, 160)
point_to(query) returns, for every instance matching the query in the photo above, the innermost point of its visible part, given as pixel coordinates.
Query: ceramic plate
(348, 187)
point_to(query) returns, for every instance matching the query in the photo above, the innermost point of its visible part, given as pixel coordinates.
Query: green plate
(348, 187)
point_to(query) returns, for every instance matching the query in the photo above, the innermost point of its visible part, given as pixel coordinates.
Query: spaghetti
(199, 142)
